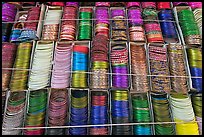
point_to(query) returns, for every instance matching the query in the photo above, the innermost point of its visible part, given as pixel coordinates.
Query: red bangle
(81, 48)
(163, 5)
(58, 4)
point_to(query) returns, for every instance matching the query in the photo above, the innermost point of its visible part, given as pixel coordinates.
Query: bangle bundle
(168, 28)
(14, 115)
(162, 113)
(8, 58)
(99, 112)
(140, 82)
(51, 24)
(68, 27)
(198, 18)
(119, 65)
(133, 5)
(42, 62)
(85, 24)
(120, 112)
(159, 66)
(189, 27)
(99, 65)
(177, 68)
(163, 5)
(58, 4)
(197, 106)
(118, 25)
(6, 31)
(136, 30)
(8, 12)
(182, 111)
(102, 22)
(35, 116)
(195, 5)
(152, 27)
(73, 4)
(57, 112)
(79, 112)
(80, 66)
(62, 66)
(141, 114)
(19, 77)
(195, 64)
(102, 4)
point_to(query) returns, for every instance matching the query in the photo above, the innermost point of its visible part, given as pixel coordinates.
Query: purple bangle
(195, 5)
(74, 4)
(10, 6)
(133, 4)
(117, 12)
(105, 4)
(180, 3)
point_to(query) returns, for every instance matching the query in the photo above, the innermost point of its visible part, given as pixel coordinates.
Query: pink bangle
(105, 4)
(133, 4)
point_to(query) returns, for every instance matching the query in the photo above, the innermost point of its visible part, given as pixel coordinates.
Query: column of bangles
(30, 28)
(182, 111)
(139, 68)
(102, 22)
(159, 66)
(8, 58)
(41, 65)
(118, 24)
(14, 115)
(62, 66)
(73, 4)
(119, 65)
(36, 113)
(136, 30)
(51, 24)
(198, 18)
(152, 27)
(99, 112)
(99, 59)
(177, 68)
(133, 5)
(189, 27)
(19, 77)
(8, 12)
(57, 111)
(79, 112)
(68, 27)
(102, 4)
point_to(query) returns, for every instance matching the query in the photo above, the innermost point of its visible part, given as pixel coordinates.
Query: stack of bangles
(198, 18)
(99, 112)
(102, 4)
(68, 27)
(197, 106)
(118, 25)
(140, 82)
(189, 27)
(119, 64)
(36, 113)
(8, 58)
(51, 24)
(102, 22)
(57, 112)
(162, 113)
(182, 111)
(99, 59)
(133, 5)
(58, 4)
(80, 66)
(8, 12)
(85, 24)
(177, 68)
(73, 4)
(136, 30)
(78, 112)
(14, 116)
(163, 5)
(152, 27)
(159, 66)
(195, 5)
(19, 78)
